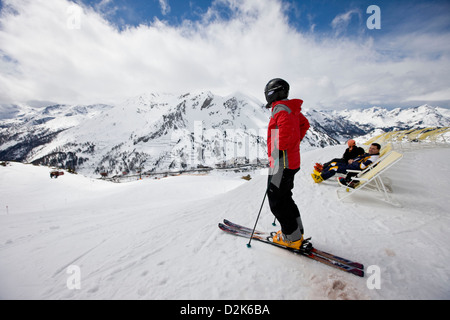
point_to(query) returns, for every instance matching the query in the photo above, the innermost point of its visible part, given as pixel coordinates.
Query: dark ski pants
(334, 168)
(283, 207)
(337, 160)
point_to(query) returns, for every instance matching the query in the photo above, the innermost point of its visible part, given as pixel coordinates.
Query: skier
(287, 128)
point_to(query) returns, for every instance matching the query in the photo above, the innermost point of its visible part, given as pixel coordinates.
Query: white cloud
(46, 60)
(165, 7)
(341, 21)
(106, 7)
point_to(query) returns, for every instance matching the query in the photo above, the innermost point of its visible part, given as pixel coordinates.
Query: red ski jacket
(287, 128)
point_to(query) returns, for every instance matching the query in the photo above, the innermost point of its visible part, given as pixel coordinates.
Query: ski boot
(318, 167)
(279, 238)
(317, 177)
(351, 184)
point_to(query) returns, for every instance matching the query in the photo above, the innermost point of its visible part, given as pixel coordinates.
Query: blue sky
(397, 15)
(86, 51)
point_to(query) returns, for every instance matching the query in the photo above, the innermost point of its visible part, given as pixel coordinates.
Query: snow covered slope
(158, 239)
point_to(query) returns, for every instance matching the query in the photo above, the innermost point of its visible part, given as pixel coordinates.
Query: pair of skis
(306, 249)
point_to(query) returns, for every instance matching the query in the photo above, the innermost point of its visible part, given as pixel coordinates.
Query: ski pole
(257, 218)
(260, 209)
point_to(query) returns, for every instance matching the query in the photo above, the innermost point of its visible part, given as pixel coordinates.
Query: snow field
(158, 239)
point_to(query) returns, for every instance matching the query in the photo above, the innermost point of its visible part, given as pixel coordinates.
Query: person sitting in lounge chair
(359, 163)
(351, 152)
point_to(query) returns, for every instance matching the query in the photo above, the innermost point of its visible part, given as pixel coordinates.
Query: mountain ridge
(161, 132)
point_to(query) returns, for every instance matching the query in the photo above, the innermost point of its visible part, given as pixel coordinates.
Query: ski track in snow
(158, 239)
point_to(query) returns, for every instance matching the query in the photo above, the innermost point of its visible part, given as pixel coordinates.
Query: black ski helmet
(276, 90)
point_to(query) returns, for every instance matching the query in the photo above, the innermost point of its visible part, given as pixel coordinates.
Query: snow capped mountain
(148, 133)
(399, 119)
(159, 132)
